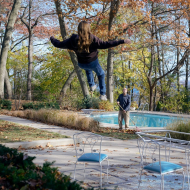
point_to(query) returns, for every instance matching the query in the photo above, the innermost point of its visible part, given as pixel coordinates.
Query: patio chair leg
(183, 179)
(140, 174)
(84, 170)
(107, 169)
(75, 169)
(187, 163)
(162, 182)
(100, 176)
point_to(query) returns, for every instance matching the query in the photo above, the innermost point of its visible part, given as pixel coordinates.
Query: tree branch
(14, 45)
(23, 19)
(177, 67)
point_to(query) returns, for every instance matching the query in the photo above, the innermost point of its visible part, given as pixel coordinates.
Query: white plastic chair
(151, 160)
(88, 149)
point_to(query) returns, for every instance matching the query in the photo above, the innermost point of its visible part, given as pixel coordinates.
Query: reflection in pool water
(140, 119)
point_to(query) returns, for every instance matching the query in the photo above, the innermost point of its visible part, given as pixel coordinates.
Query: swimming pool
(140, 119)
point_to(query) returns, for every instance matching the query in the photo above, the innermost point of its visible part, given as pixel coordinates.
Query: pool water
(140, 119)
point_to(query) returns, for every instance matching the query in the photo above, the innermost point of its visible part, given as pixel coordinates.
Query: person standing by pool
(85, 46)
(124, 102)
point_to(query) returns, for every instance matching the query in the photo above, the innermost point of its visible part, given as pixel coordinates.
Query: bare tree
(6, 44)
(113, 12)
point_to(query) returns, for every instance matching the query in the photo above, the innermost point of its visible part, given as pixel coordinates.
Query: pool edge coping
(145, 112)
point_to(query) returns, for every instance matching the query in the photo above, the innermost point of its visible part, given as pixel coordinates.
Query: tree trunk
(159, 66)
(154, 99)
(155, 90)
(8, 85)
(6, 44)
(151, 86)
(30, 64)
(187, 73)
(151, 99)
(151, 63)
(177, 69)
(123, 72)
(110, 76)
(67, 83)
(162, 82)
(113, 11)
(129, 82)
(187, 61)
(178, 52)
(30, 55)
(80, 75)
(14, 83)
(132, 93)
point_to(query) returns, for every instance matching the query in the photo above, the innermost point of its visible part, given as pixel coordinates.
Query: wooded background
(154, 67)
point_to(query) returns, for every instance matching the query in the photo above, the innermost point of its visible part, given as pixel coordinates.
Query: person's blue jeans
(95, 66)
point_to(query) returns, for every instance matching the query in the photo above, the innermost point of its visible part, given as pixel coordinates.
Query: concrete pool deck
(123, 156)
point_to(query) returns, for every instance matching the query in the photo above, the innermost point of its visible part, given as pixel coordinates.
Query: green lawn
(11, 132)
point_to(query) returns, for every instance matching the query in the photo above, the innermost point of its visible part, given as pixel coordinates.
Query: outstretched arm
(100, 44)
(59, 44)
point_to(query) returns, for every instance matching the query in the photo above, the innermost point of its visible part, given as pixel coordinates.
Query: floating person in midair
(86, 46)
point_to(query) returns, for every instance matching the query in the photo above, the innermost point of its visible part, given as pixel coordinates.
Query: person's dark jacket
(84, 57)
(125, 102)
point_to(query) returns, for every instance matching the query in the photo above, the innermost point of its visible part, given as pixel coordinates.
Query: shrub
(181, 127)
(38, 106)
(116, 107)
(95, 103)
(28, 106)
(19, 172)
(53, 105)
(106, 105)
(88, 102)
(158, 107)
(5, 104)
(134, 104)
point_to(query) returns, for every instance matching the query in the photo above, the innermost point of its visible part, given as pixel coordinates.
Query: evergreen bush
(18, 171)
(5, 104)
(88, 102)
(38, 106)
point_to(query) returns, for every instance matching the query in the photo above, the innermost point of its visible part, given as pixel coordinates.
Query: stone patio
(123, 160)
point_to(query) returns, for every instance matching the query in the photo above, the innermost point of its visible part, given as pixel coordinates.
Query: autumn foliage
(159, 31)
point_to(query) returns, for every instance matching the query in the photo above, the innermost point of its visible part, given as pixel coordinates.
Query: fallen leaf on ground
(48, 145)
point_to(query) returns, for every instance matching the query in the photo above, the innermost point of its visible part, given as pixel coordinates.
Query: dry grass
(180, 126)
(106, 105)
(11, 132)
(67, 119)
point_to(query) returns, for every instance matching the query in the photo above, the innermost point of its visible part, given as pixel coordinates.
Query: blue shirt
(125, 101)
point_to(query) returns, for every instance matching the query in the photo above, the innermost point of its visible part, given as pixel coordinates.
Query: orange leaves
(130, 32)
(125, 49)
(91, 1)
(124, 25)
